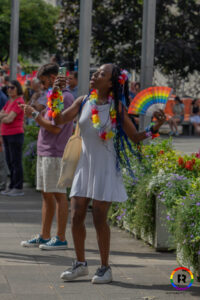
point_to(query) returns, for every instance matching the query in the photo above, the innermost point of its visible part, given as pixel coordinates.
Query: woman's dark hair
(18, 86)
(121, 142)
(194, 101)
(177, 98)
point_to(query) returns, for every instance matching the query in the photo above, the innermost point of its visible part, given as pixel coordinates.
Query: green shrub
(174, 180)
(30, 153)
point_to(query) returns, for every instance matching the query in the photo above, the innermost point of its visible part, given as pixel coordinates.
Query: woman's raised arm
(70, 113)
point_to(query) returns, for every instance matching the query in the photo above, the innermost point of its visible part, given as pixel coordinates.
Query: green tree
(117, 33)
(36, 28)
(178, 37)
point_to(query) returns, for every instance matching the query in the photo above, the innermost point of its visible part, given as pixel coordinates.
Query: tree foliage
(36, 28)
(117, 33)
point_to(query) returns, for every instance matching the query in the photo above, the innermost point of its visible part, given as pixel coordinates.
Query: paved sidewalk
(186, 144)
(32, 274)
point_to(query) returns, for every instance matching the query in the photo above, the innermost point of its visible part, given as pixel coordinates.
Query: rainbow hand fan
(149, 100)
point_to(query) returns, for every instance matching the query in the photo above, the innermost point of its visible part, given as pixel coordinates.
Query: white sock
(84, 263)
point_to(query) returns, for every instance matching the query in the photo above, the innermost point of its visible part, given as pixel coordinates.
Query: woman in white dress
(102, 120)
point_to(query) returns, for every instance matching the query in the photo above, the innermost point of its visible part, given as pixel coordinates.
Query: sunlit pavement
(138, 271)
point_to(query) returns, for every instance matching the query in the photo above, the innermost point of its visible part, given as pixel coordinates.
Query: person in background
(50, 147)
(28, 92)
(3, 100)
(178, 117)
(73, 83)
(5, 85)
(133, 91)
(3, 167)
(195, 115)
(41, 103)
(12, 131)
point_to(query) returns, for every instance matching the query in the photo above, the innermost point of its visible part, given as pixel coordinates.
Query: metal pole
(148, 41)
(14, 38)
(84, 46)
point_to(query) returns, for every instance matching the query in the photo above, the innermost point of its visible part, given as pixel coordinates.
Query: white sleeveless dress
(96, 176)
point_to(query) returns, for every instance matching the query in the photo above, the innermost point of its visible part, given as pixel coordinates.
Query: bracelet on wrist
(150, 132)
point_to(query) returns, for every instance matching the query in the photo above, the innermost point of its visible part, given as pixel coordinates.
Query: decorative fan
(149, 100)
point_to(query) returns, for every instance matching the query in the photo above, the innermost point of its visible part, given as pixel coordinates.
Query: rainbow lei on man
(104, 135)
(55, 103)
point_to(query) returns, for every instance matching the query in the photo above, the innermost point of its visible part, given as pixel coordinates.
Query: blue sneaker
(54, 244)
(34, 242)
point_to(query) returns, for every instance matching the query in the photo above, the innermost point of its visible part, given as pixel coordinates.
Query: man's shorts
(48, 172)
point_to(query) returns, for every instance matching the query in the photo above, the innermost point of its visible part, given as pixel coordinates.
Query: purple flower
(192, 224)
(199, 252)
(119, 218)
(163, 200)
(168, 218)
(192, 236)
(182, 203)
(198, 204)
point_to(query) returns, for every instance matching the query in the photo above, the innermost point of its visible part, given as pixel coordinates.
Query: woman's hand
(160, 117)
(2, 114)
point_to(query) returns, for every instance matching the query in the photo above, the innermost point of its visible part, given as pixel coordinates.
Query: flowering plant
(166, 176)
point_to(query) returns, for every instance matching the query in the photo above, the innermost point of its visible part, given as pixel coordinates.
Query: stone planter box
(161, 240)
(183, 262)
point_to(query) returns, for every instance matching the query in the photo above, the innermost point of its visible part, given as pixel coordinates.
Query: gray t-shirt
(50, 144)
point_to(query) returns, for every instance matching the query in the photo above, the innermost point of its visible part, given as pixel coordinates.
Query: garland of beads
(103, 134)
(55, 103)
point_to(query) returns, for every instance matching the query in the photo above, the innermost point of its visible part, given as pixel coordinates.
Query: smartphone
(62, 71)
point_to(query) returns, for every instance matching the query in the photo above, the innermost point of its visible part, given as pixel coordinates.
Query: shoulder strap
(82, 104)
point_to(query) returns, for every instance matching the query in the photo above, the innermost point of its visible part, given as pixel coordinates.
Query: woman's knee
(77, 218)
(99, 217)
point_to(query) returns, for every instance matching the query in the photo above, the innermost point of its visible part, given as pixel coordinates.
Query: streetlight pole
(148, 41)
(84, 46)
(14, 38)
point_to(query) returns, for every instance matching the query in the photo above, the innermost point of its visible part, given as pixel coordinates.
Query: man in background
(50, 147)
(73, 83)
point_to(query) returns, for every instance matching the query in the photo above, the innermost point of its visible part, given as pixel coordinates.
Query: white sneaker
(15, 192)
(5, 192)
(103, 275)
(76, 271)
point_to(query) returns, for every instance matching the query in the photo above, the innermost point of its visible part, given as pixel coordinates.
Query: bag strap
(77, 130)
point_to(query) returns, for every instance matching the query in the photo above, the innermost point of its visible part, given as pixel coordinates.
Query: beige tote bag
(70, 159)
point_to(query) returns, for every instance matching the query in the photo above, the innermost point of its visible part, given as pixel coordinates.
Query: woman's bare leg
(78, 213)
(100, 211)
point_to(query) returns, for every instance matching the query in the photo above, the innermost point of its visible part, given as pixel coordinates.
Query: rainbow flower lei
(103, 134)
(55, 103)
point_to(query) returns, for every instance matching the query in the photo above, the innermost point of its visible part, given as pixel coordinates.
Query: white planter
(161, 240)
(182, 261)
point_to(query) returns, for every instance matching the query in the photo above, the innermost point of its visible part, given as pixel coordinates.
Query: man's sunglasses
(12, 87)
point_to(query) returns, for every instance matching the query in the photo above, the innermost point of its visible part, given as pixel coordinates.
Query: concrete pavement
(185, 144)
(25, 274)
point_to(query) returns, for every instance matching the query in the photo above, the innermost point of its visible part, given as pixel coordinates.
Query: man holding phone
(50, 147)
